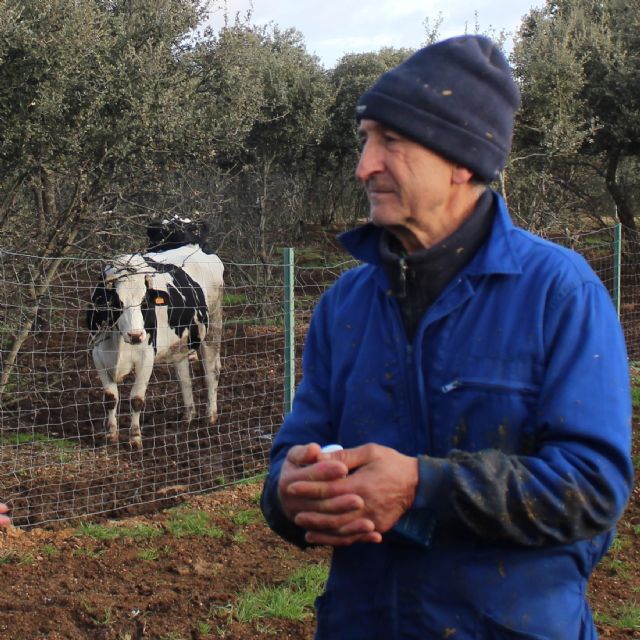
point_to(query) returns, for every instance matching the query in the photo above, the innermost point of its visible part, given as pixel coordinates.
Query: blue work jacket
(515, 397)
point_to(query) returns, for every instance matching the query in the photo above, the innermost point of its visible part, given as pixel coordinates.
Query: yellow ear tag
(159, 300)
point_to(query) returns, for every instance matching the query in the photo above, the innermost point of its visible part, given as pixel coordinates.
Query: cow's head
(175, 232)
(125, 300)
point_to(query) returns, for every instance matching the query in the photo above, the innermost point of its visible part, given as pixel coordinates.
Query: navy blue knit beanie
(456, 97)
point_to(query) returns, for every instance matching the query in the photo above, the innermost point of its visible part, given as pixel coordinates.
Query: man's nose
(370, 161)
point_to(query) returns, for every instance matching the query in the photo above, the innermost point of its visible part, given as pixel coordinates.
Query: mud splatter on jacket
(515, 396)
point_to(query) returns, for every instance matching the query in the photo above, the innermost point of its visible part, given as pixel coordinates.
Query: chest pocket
(486, 403)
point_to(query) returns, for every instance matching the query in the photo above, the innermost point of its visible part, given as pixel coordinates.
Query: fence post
(289, 331)
(617, 265)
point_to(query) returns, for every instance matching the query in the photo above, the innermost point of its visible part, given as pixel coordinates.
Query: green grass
(102, 532)
(246, 517)
(635, 394)
(230, 299)
(635, 388)
(13, 557)
(625, 616)
(30, 438)
(88, 552)
(150, 554)
(184, 522)
(292, 601)
(62, 448)
(99, 618)
(50, 550)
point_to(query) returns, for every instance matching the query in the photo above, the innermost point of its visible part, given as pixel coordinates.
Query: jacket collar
(497, 255)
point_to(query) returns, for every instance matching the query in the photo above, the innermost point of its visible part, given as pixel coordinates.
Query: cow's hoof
(213, 419)
(112, 438)
(136, 443)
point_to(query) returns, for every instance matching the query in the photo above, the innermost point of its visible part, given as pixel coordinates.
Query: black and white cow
(163, 306)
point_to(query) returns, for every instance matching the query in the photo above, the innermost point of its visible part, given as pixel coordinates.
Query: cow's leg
(184, 376)
(210, 354)
(111, 396)
(138, 392)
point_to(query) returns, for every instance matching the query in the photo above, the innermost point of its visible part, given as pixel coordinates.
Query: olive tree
(578, 131)
(94, 112)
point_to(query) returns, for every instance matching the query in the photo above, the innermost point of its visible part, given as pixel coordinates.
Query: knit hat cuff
(454, 142)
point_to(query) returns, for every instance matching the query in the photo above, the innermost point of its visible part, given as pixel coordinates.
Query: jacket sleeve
(577, 482)
(309, 420)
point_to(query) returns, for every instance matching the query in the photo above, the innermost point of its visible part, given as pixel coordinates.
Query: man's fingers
(347, 503)
(319, 490)
(352, 458)
(319, 537)
(318, 471)
(303, 454)
(349, 522)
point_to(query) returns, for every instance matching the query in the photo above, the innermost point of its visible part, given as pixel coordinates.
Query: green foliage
(576, 146)
(92, 104)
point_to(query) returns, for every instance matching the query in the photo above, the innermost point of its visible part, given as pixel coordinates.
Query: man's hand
(382, 478)
(303, 488)
(4, 520)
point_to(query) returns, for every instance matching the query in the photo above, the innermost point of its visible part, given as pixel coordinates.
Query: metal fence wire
(55, 461)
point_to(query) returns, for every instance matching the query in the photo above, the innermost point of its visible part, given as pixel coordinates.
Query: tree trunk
(624, 208)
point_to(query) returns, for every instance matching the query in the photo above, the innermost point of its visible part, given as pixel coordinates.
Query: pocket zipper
(495, 386)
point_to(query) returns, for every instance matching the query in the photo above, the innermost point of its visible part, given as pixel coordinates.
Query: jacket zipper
(403, 277)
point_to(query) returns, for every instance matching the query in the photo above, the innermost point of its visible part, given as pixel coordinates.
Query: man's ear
(461, 175)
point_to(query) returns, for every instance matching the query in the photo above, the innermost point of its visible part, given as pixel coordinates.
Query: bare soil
(61, 586)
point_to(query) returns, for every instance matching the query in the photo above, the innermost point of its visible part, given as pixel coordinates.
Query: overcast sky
(332, 28)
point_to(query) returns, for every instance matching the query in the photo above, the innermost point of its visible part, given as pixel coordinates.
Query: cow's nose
(135, 336)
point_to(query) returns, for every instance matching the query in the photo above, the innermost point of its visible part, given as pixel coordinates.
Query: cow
(160, 307)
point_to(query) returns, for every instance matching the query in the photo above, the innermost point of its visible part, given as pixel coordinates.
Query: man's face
(408, 185)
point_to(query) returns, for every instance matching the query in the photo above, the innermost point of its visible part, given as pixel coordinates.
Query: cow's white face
(132, 292)
(128, 284)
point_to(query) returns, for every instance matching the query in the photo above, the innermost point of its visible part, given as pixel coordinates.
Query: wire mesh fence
(55, 460)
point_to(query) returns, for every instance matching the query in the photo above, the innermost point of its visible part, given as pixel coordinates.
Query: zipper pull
(451, 386)
(403, 278)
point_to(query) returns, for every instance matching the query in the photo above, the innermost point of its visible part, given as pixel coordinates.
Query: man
(476, 377)
(4, 520)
